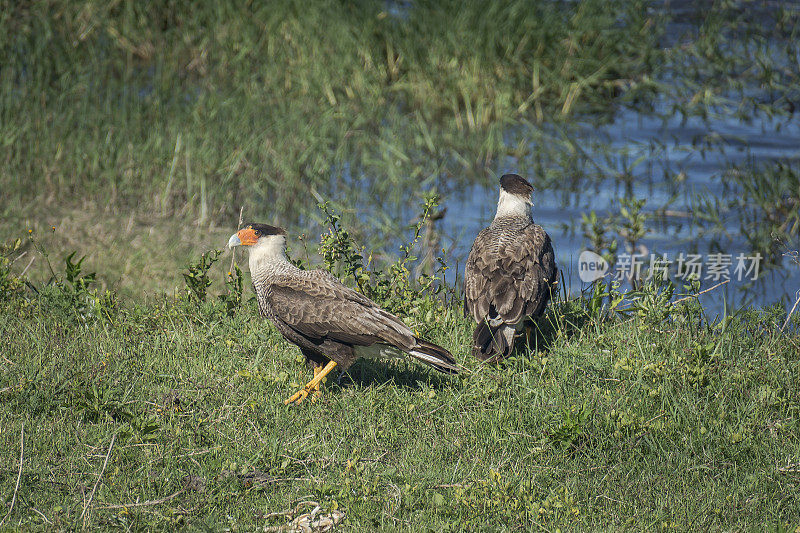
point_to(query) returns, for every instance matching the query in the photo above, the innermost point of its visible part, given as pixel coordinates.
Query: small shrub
(73, 292)
(234, 285)
(594, 231)
(340, 253)
(632, 224)
(10, 284)
(196, 277)
(395, 288)
(74, 281)
(392, 287)
(651, 303)
(604, 299)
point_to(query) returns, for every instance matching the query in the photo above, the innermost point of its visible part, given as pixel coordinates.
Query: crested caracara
(331, 323)
(509, 274)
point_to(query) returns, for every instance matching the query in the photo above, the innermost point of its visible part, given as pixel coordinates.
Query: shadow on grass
(562, 320)
(407, 376)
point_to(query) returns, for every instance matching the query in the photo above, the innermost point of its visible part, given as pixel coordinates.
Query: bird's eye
(257, 232)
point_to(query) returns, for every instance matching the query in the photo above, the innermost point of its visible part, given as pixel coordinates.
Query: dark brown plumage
(510, 273)
(514, 184)
(331, 322)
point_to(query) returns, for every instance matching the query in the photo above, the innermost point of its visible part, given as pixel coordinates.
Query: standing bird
(509, 274)
(332, 324)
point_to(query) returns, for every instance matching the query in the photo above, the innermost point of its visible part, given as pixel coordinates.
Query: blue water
(655, 154)
(665, 146)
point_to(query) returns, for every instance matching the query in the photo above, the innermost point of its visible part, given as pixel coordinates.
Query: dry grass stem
(144, 503)
(699, 293)
(96, 483)
(19, 473)
(789, 314)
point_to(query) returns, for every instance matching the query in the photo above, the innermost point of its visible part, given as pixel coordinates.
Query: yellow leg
(312, 385)
(315, 392)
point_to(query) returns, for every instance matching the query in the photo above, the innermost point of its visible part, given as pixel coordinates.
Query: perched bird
(510, 272)
(332, 324)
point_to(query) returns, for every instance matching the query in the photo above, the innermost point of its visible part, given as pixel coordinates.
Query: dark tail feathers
(434, 355)
(490, 343)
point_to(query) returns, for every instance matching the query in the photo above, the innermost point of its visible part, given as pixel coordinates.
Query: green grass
(167, 106)
(608, 425)
(138, 127)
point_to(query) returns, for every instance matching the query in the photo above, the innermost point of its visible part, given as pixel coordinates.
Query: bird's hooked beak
(234, 240)
(243, 237)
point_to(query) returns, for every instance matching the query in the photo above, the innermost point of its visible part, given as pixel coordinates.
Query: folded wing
(507, 280)
(321, 308)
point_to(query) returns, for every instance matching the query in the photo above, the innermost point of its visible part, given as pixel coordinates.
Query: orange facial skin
(247, 236)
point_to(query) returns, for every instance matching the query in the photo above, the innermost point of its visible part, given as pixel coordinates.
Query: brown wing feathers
(323, 315)
(326, 314)
(507, 279)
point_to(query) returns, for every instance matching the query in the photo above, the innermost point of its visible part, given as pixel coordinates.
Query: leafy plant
(514, 499)
(341, 255)
(652, 302)
(629, 223)
(687, 308)
(76, 288)
(699, 363)
(100, 402)
(141, 428)
(234, 287)
(196, 277)
(10, 284)
(632, 224)
(604, 298)
(594, 231)
(571, 426)
(394, 286)
(768, 198)
(74, 281)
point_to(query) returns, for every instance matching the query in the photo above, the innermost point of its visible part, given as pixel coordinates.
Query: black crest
(515, 184)
(266, 229)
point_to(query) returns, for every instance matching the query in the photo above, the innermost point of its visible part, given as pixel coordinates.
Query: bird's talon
(297, 397)
(312, 386)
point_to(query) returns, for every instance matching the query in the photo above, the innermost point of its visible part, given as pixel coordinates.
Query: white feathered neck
(268, 251)
(513, 205)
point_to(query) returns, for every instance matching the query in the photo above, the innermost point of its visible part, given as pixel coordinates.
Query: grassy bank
(132, 128)
(164, 115)
(661, 419)
(180, 110)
